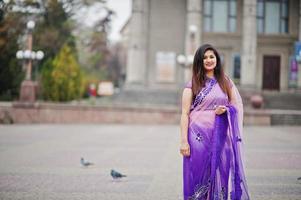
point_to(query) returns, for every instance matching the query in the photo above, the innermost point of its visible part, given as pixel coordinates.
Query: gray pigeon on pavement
(116, 175)
(85, 163)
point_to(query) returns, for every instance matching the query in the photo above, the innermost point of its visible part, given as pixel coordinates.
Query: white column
(249, 44)
(136, 62)
(193, 31)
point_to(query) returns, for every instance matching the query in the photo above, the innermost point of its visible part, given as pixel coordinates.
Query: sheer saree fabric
(214, 170)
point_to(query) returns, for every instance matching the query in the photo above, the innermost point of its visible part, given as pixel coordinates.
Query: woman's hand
(185, 149)
(220, 110)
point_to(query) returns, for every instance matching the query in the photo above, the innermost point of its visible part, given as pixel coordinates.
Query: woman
(211, 125)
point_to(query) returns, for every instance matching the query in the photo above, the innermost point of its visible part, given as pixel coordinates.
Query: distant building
(255, 38)
(125, 33)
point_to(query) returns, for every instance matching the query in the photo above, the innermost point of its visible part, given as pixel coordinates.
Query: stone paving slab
(42, 162)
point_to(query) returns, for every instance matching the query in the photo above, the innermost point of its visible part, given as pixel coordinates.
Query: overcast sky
(122, 8)
(123, 11)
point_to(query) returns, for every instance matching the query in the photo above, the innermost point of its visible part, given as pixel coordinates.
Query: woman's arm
(186, 103)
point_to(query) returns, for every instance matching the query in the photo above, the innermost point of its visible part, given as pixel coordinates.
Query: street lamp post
(28, 87)
(186, 60)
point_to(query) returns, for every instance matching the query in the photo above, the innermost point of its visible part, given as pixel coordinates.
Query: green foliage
(11, 74)
(53, 30)
(46, 79)
(98, 53)
(62, 79)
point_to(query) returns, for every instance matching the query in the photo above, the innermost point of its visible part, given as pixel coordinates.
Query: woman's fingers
(188, 152)
(220, 110)
(185, 151)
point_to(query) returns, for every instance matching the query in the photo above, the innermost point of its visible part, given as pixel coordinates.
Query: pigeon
(85, 163)
(116, 175)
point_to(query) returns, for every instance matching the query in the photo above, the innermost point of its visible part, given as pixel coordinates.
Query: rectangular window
(207, 26)
(260, 16)
(272, 16)
(232, 25)
(207, 7)
(236, 68)
(232, 8)
(232, 16)
(259, 25)
(284, 17)
(219, 15)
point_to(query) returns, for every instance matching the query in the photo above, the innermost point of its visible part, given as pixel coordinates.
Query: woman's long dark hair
(199, 72)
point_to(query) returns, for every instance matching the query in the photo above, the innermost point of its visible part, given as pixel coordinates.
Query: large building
(256, 39)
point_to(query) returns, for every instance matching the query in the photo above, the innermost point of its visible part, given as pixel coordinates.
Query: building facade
(256, 40)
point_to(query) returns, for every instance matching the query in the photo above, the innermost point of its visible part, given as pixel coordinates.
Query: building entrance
(271, 73)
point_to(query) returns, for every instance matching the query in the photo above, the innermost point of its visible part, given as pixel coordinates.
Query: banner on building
(165, 66)
(298, 51)
(293, 72)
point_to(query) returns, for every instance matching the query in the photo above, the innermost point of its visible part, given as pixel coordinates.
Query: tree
(62, 79)
(97, 47)
(54, 26)
(11, 73)
(54, 29)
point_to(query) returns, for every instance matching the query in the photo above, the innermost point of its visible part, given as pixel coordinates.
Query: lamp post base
(28, 91)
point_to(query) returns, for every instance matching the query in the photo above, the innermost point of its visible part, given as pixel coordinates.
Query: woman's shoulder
(188, 84)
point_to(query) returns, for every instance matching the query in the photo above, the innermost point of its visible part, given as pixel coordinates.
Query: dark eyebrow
(211, 55)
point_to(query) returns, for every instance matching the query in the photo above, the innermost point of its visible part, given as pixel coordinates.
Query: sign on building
(165, 66)
(293, 72)
(298, 51)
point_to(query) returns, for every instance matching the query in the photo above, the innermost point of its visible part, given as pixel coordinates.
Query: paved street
(42, 162)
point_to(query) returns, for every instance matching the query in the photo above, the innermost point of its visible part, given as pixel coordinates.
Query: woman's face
(209, 60)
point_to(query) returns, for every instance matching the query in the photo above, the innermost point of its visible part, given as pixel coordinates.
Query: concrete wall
(278, 46)
(167, 33)
(281, 45)
(50, 113)
(66, 113)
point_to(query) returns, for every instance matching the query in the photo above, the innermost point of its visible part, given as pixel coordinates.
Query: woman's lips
(209, 65)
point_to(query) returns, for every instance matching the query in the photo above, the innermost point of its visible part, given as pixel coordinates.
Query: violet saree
(214, 170)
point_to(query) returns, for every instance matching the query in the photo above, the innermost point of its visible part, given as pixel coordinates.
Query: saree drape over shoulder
(214, 170)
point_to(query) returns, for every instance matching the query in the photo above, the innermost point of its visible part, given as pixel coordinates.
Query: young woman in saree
(211, 132)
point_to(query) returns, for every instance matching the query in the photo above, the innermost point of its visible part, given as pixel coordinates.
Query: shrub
(62, 79)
